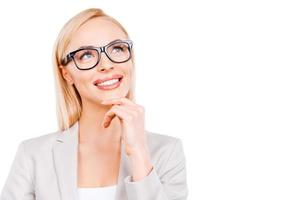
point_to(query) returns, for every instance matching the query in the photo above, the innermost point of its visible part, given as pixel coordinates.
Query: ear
(66, 75)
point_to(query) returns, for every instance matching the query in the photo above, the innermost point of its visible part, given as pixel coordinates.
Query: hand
(132, 120)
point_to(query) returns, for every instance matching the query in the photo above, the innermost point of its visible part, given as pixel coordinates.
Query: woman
(102, 150)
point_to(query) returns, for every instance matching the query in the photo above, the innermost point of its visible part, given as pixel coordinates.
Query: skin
(108, 117)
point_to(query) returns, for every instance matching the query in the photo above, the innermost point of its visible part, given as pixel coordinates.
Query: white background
(221, 75)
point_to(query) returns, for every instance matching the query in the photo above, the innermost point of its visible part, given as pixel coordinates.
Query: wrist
(141, 163)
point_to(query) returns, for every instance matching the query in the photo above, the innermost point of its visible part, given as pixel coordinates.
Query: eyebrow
(91, 46)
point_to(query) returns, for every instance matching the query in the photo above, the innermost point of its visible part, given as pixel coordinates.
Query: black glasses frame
(70, 56)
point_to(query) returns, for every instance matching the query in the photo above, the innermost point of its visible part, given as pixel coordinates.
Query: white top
(97, 193)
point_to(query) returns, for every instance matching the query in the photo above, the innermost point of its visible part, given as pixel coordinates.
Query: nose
(104, 63)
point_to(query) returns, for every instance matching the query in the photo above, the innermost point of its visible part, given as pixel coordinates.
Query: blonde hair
(68, 100)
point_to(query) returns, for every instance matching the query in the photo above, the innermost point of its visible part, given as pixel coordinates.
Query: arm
(19, 183)
(171, 185)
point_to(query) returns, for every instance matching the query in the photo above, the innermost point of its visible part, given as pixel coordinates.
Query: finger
(126, 102)
(116, 111)
(130, 110)
(122, 100)
(108, 117)
(113, 113)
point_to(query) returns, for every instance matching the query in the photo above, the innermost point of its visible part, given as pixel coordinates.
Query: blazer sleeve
(171, 184)
(19, 183)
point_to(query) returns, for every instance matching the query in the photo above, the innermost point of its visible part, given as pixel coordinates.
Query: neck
(90, 129)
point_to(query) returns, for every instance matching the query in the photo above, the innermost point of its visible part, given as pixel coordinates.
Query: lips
(115, 76)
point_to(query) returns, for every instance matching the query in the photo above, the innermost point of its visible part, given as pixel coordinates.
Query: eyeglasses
(87, 57)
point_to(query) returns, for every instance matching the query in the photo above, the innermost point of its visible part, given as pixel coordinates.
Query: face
(98, 32)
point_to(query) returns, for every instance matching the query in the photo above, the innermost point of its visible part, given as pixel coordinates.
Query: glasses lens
(119, 52)
(86, 58)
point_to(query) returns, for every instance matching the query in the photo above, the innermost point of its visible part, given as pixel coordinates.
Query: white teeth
(109, 82)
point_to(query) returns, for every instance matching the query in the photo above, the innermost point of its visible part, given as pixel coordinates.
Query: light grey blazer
(45, 168)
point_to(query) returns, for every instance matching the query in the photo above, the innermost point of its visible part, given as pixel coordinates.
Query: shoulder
(39, 143)
(156, 140)
(164, 147)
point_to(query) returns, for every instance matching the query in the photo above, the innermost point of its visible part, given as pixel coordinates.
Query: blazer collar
(65, 162)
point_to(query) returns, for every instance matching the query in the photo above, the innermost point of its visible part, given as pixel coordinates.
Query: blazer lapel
(65, 152)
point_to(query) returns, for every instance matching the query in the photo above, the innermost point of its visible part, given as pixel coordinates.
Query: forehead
(96, 32)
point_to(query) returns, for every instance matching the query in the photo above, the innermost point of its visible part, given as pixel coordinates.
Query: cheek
(128, 70)
(128, 76)
(82, 81)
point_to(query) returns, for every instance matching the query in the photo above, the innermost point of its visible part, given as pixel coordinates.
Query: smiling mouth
(109, 84)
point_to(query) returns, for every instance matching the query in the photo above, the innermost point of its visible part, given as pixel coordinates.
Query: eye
(118, 49)
(86, 55)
